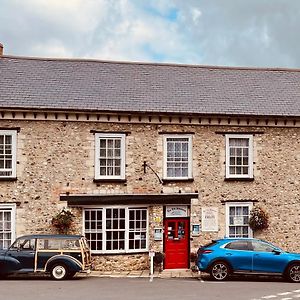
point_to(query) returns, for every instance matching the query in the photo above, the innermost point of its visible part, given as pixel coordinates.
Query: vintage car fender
(70, 262)
(8, 264)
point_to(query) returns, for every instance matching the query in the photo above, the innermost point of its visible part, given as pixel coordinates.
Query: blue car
(224, 257)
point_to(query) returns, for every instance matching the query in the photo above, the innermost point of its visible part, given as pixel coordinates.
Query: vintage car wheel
(293, 272)
(219, 271)
(59, 272)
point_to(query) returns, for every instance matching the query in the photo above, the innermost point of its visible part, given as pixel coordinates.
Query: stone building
(148, 156)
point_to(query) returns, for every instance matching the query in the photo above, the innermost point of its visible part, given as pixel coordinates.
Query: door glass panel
(181, 230)
(171, 230)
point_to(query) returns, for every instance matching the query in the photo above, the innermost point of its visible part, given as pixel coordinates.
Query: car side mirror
(276, 251)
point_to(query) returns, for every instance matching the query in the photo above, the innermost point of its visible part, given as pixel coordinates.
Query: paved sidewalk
(174, 273)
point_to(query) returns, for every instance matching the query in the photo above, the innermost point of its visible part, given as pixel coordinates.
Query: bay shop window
(116, 229)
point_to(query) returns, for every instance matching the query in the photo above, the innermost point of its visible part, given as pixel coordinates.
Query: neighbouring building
(148, 156)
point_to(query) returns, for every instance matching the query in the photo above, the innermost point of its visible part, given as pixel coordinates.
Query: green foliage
(259, 219)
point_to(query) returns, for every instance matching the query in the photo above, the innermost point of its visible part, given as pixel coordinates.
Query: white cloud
(231, 32)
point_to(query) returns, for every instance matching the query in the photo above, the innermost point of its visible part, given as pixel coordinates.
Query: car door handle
(228, 254)
(256, 254)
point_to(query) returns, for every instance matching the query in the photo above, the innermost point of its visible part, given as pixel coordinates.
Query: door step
(177, 273)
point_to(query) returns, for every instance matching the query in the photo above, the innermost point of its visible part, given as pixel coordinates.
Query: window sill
(8, 178)
(104, 180)
(239, 179)
(170, 180)
(119, 253)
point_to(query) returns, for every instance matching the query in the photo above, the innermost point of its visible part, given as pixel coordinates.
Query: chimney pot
(1, 49)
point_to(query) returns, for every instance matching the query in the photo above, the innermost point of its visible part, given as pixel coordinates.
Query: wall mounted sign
(195, 229)
(158, 234)
(238, 221)
(210, 219)
(177, 211)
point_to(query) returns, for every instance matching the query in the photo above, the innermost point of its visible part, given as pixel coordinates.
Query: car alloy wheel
(219, 271)
(294, 273)
(59, 272)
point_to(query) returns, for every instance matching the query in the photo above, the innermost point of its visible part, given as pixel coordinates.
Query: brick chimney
(1, 49)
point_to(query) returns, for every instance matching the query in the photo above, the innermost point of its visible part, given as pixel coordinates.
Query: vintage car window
(54, 244)
(42, 244)
(58, 244)
(24, 244)
(70, 244)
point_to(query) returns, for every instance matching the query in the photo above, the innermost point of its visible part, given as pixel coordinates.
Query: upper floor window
(8, 146)
(239, 156)
(177, 156)
(110, 156)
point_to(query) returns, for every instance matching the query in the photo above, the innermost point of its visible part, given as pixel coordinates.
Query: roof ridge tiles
(166, 64)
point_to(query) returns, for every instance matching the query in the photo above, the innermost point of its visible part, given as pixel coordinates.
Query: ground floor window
(7, 225)
(116, 229)
(237, 219)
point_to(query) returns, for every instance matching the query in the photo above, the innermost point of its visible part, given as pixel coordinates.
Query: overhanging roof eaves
(128, 199)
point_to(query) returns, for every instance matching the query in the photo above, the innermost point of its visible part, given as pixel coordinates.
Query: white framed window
(109, 156)
(237, 219)
(239, 156)
(7, 224)
(177, 156)
(116, 229)
(8, 153)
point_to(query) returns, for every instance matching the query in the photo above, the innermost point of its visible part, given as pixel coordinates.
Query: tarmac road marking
(283, 294)
(269, 297)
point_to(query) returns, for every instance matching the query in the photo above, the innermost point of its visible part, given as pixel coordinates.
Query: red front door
(176, 239)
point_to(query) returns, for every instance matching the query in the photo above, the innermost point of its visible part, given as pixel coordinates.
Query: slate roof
(71, 84)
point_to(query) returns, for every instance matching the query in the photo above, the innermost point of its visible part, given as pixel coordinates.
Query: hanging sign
(210, 219)
(176, 211)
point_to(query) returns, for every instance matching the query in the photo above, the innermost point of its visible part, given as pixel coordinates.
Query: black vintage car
(61, 256)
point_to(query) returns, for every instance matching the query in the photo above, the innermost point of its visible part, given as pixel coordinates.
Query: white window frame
(190, 156)
(127, 209)
(240, 204)
(13, 134)
(12, 209)
(250, 155)
(98, 136)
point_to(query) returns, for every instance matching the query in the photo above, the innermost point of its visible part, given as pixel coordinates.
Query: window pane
(238, 159)
(93, 228)
(177, 157)
(138, 220)
(238, 221)
(110, 156)
(5, 227)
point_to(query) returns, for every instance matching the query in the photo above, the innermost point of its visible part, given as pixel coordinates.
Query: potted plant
(63, 221)
(158, 259)
(259, 219)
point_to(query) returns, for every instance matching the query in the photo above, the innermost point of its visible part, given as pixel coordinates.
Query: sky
(254, 33)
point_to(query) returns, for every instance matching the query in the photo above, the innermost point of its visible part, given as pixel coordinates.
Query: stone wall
(56, 157)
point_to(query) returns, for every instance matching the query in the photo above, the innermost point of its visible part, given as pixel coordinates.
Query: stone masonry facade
(57, 157)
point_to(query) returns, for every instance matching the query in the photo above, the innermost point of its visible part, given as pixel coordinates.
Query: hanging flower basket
(63, 221)
(259, 219)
